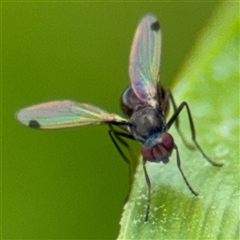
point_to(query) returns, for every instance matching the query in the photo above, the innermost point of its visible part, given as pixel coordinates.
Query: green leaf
(209, 82)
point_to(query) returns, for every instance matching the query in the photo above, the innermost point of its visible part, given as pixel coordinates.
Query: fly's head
(158, 148)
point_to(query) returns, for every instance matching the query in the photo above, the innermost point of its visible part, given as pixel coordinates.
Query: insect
(145, 103)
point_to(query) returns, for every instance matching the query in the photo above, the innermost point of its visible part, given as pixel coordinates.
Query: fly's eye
(167, 141)
(147, 153)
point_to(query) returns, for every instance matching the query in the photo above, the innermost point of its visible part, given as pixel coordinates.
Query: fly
(145, 103)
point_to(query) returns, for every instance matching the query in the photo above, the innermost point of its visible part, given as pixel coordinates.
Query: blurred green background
(71, 183)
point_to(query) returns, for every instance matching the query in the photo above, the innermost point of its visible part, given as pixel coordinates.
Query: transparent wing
(145, 59)
(62, 114)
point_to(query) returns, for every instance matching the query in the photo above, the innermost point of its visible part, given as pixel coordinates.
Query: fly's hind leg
(177, 123)
(193, 133)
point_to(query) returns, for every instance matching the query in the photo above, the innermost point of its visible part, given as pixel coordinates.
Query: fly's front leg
(193, 133)
(118, 136)
(183, 175)
(149, 190)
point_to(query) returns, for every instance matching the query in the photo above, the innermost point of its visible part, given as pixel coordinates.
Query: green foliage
(209, 82)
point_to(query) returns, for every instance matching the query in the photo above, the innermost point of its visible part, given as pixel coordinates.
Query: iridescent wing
(145, 59)
(63, 114)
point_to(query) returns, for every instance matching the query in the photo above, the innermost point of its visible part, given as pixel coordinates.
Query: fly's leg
(149, 190)
(177, 124)
(181, 171)
(193, 133)
(118, 136)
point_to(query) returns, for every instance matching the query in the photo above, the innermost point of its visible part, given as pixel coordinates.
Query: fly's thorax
(146, 123)
(158, 148)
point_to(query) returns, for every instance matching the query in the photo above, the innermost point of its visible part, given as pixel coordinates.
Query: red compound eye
(147, 153)
(167, 141)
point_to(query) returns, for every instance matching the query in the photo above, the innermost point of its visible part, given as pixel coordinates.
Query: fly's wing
(63, 114)
(145, 59)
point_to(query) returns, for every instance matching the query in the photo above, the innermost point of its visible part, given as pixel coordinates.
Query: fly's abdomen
(130, 103)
